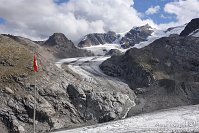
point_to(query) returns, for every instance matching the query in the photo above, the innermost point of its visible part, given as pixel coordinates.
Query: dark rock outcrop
(191, 27)
(163, 74)
(62, 47)
(98, 38)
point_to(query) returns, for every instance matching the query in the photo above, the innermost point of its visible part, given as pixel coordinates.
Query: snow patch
(195, 33)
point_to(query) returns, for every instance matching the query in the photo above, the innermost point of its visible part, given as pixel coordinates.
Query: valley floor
(180, 119)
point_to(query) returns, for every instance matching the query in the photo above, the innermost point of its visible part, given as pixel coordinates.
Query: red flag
(35, 64)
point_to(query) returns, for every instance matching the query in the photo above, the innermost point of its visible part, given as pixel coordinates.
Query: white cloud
(40, 18)
(185, 10)
(152, 10)
(166, 16)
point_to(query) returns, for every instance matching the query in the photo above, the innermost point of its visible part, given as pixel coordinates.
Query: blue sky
(142, 6)
(60, 1)
(2, 20)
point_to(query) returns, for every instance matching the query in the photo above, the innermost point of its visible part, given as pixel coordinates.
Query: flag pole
(34, 112)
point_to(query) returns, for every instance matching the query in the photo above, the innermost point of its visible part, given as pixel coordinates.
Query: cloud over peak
(75, 18)
(39, 19)
(185, 10)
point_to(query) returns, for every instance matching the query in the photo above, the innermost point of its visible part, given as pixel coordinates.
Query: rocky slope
(163, 74)
(62, 47)
(191, 27)
(63, 99)
(17, 84)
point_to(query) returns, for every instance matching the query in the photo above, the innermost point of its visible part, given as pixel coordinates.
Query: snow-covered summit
(137, 37)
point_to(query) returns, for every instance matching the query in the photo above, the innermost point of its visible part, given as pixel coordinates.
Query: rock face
(98, 38)
(163, 74)
(136, 35)
(99, 106)
(63, 48)
(63, 100)
(191, 27)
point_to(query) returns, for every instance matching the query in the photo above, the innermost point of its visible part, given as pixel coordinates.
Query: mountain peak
(111, 33)
(62, 47)
(147, 26)
(143, 28)
(136, 35)
(98, 38)
(58, 35)
(57, 39)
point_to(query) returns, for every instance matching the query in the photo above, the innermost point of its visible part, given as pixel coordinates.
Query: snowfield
(176, 120)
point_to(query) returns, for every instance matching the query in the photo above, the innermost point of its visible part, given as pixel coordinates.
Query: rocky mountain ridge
(62, 47)
(135, 35)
